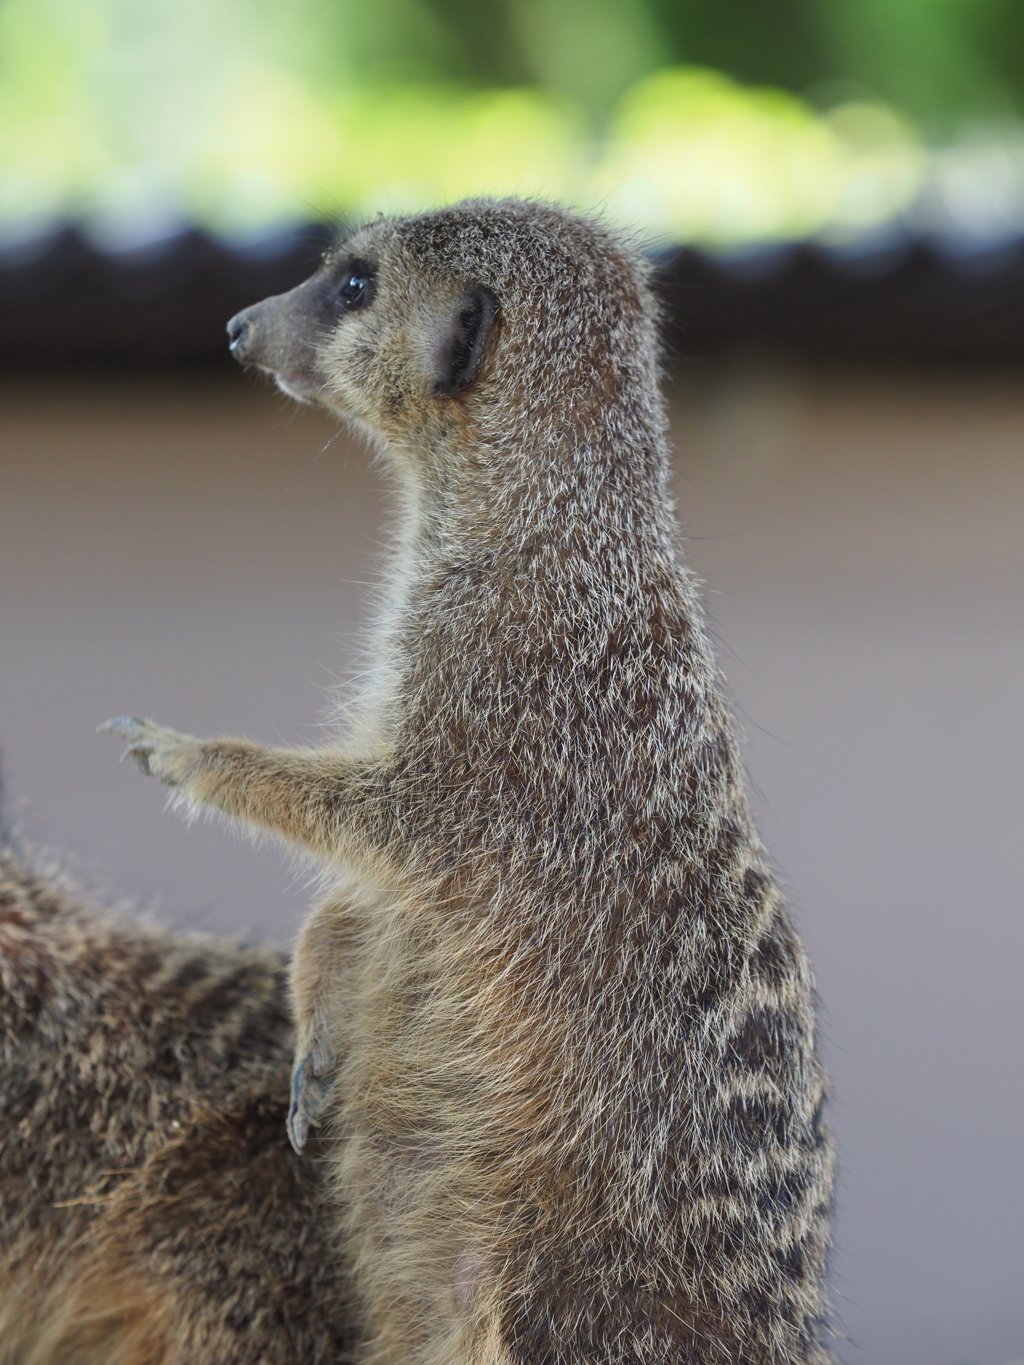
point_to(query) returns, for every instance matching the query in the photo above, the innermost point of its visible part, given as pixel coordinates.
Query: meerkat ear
(462, 349)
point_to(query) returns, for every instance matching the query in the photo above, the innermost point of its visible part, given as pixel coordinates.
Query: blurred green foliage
(719, 123)
(936, 59)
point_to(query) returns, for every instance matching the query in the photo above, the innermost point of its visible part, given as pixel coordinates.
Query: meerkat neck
(496, 532)
(501, 494)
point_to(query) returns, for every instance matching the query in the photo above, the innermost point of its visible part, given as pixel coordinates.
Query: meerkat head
(412, 325)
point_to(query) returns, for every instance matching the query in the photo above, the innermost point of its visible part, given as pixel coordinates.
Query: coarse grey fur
(554, 1008)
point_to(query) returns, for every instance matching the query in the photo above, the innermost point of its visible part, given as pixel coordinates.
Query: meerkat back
(151, 1210)
(554, 1019)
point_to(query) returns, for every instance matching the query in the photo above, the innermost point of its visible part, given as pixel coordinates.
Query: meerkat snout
(281, 334)
(277, 335)
(355, 339)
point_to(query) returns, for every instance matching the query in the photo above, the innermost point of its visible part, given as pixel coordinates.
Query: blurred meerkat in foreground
(151, 1209)
(554, 1010)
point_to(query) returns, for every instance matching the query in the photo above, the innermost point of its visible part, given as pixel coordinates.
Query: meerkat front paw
(312, 1088)
(157, 751)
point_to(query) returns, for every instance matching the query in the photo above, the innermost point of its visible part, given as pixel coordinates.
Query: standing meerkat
(151, 1209)
(554, 1010)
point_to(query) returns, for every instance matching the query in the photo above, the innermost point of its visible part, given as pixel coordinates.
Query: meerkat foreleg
(319, 971)
(302, 797)
(298, 795)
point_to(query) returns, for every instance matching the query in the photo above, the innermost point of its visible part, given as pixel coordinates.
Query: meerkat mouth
(304, 388)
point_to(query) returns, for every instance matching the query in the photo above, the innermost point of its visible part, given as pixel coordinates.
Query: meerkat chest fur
(578, 1102)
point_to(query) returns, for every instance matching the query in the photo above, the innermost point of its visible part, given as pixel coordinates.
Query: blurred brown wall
(179, 547)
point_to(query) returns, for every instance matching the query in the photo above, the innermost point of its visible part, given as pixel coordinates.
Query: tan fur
(151, 1210)
(555, 1009)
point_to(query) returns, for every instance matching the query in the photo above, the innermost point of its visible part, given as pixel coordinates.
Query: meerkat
(553, 1013)
(152, 1211)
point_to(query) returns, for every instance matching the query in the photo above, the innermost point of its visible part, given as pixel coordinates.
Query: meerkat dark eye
(354, 287)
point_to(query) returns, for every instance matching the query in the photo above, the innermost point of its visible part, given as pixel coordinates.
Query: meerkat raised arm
(311, 799)
(553, 1008)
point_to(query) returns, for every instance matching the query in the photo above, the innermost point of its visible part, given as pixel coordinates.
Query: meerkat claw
(131, 728)
(310, 1095)
(298, 1124)
(125, 726)
(140, 757)
(152, 748)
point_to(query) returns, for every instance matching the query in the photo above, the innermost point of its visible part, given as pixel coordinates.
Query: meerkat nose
(238, 333)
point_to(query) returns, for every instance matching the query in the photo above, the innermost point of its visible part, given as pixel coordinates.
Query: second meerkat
(554, 1009)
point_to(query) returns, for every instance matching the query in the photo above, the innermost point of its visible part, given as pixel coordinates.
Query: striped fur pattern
(553, 1010)
(151, 1209)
